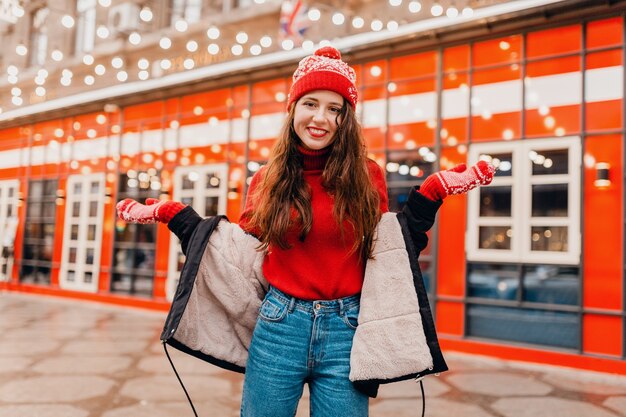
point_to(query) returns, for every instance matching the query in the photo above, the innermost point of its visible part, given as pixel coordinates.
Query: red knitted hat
(324, 71)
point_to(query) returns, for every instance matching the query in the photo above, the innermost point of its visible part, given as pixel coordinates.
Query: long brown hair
(283, 191)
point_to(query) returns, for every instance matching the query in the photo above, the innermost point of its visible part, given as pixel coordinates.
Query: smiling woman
(316, 118)
(315, 275)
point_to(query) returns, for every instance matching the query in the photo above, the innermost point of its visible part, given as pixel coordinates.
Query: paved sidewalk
(64, 358)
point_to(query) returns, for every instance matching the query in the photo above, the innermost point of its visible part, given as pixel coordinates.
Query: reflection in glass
(549, 200)
(74, 232)
(72, 257)
(76, 209)
(211, 206)
(49, 209)
(78, 188)
(542, 327)
(71, 276)
(551, 284)
(549, 238)
(493, 281)
(35, 189)
(410, 165)
(495, 201)
(93, 208)
(33, 209)
(89, 257)
(95, 187)
(494, 237)
(212, 181)
(503, 162)
(88, 277)
(91, 232)
(550, 162)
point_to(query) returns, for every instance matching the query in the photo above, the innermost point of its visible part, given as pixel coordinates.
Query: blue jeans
(296, 342)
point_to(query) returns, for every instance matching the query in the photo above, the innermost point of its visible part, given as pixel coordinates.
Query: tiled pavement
(63, 358)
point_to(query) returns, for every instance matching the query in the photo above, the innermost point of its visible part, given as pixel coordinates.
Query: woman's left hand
(457, 180)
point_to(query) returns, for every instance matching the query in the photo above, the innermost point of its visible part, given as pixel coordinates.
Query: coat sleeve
(420, 212)
(183, 224)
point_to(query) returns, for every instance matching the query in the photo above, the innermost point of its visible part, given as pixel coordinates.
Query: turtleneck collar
(314, 160)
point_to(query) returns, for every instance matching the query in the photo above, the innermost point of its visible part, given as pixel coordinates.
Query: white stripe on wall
(602, 84)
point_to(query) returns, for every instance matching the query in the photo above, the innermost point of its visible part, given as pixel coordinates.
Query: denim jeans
(296, 342)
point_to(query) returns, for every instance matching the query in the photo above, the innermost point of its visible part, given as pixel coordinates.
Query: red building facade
(530, 267)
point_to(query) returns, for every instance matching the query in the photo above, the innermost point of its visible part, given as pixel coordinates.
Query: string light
(237, 50)
(266, 41)
(100, 69)
(415, 7)
(117, 62)
(134, 38)
(122, 76)
(452, 12)
(242, 37)
(314, 14)
(67, 21)
(287, 44)
(358, 22)
(146, 14)
(21, 49)
(213, 49)
(256, 49)
(143, 75)
(213, 33)
(89, 80)
(436, 10)
(165, 43)
(189, 63)
(192, 46)
(57, 55)
(143, 64)
(338, 19)
(88, 59)
(12, 70)
(181, 25)
(376, 25)
(104, 3)
(102, 32)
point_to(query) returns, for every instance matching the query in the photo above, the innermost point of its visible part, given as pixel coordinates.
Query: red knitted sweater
(320, 268)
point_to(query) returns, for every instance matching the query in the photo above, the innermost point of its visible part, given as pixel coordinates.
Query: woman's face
(316, 116)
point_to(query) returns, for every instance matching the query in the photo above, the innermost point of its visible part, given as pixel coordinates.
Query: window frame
(521, 220)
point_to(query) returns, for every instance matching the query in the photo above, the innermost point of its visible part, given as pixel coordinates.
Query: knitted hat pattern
(324, 71)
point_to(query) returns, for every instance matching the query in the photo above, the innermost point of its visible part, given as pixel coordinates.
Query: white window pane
(549, 200)
(549, 238)
(551, 162)
(495, 201)
(495, 237)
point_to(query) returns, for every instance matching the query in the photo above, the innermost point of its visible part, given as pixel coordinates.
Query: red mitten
(153, 211)
(457, 180)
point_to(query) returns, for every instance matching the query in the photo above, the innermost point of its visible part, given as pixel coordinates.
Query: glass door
(8, 226)
(205, 189)
(80, 262)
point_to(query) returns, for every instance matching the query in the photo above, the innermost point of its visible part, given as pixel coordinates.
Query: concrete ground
(64, 358)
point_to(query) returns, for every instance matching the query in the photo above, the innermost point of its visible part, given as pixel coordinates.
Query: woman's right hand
(152, 212)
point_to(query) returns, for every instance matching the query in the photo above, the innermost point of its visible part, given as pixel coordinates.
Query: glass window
(497, 51)
(530, 212)
(549, 200)
(134, 248)
(496, 103)
(541, 327)
(38, 37)
(562, 40)
(85, 25)
(39, 233)
(495, 201)
(188, 10)
(493, 281)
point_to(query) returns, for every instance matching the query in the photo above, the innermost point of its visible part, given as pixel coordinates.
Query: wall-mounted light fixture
(602, 175)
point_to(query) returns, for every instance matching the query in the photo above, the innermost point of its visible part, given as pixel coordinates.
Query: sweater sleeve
(377, 177)
(420, 212)
(183, 224)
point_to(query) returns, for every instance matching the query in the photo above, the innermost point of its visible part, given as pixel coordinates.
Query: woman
(318, 212)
